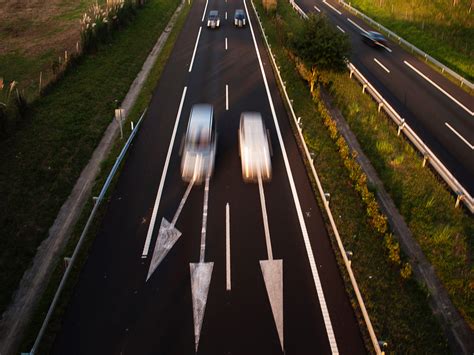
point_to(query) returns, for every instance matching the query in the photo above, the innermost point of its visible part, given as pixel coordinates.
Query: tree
(321, 46)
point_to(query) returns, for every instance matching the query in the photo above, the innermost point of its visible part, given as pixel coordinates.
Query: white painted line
(438, 87)
(304, 231)
(332, 7)
(204, 12)
(356, 25)
(204, 221)
(340, 29)
(227, 97)
(226, 15)
(195, 49)
(383, 66)
(181, 204)
(461, 137)
(226, 43)
(316, 8)
(266, 228)
(163, 177)
(388, 49)
(228, 283)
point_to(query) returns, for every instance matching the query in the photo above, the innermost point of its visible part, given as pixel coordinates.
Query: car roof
(200, 119)
(376, 34)
(239, 11)
(213, 13)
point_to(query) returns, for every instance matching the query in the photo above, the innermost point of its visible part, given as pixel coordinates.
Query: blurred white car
(199, 144)
(213, 20)
(254, 147)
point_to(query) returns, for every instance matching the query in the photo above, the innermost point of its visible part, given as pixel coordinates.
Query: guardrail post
(380, 105)
(401, 126)
(67, 261)
(350, 73)
(459, 199)
(327, 196)
(349, 255)
(363, 88)
(425, 159)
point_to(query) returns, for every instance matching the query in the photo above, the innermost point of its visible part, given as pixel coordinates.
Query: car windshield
(377, 36)
(239, 14)
(213, 15)
(198, 139)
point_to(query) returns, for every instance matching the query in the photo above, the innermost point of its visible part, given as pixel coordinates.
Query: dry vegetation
(35, 32)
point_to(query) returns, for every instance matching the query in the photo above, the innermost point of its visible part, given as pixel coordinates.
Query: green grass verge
(398, 307)
(140, 105)
(42, 161)
(437, 27)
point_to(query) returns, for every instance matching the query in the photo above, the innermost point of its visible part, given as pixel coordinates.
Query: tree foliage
(320, 45)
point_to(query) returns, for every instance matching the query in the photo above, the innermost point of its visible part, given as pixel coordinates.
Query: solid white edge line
(340, 29)
(332, 7)
(383, 66)
(228, 282)
(438, 87)
(356, 25)
(317, 8)
(162, 181)
(204, 12)
(227, 97)
(226, 43)
(459, 135)
(195, 49)
(309, 251)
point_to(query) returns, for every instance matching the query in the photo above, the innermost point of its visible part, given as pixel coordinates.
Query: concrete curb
(459, 335)
(18, 314)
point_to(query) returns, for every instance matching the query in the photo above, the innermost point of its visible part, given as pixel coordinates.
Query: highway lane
(439, 111)
(114, 310)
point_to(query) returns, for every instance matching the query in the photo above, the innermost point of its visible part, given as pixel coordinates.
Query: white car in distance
(254, 148)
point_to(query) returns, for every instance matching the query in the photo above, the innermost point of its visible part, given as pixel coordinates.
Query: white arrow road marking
(459, 135)
(272, 271)
(439, 88)
(227, 248)
(304, 231)
(167, 236)
(381, 65)
(332, 7)
(146, 247)
(201, 274)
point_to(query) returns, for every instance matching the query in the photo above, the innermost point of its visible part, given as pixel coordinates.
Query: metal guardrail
(347, 262)
(462, 194)
(83, 235)
(390, 34)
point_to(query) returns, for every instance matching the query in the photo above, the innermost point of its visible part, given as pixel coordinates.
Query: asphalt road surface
(440, 112)
(300, 305)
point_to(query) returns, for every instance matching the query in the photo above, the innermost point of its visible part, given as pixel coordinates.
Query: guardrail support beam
(459, 199)
(364, 87)
(380, 105)
(425, 159)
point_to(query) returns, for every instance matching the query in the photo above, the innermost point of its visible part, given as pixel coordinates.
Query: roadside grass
(32, 36)
(42, 161)
(398, 307)
(437, 27)
(140, 105)
(443, 232)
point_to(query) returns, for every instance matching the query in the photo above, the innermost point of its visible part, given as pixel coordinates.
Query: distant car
(198, 147)
(239, 18)
(254, 147)
(374, 39)
(213, 20)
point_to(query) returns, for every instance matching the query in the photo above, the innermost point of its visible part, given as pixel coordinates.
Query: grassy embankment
(437, 27)
(42, 160)
(33, 34)
(398, 307)
(140, 105)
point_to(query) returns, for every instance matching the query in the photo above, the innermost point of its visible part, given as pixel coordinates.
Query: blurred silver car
(199, 144)
(254, 147)
(239, 18)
